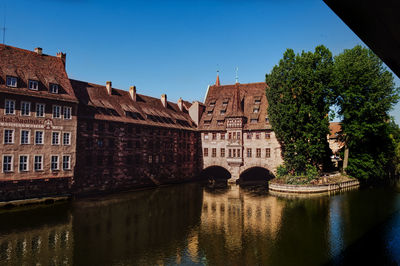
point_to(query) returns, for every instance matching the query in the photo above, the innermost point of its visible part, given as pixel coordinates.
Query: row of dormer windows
(25, 109)
(32, 84)
(235, 135)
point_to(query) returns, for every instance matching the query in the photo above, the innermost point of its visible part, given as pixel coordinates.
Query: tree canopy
(298, 92)
(364, 93)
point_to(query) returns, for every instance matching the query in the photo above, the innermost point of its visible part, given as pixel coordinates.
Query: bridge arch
(215, 172)
(256, 173)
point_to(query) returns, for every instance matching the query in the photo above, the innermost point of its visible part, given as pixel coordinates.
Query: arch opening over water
(215, 172)
(256, 174)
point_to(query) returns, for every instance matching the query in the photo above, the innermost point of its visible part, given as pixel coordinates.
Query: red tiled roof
(335, 128)
(241, 100)
(25, 65)
(95, 102)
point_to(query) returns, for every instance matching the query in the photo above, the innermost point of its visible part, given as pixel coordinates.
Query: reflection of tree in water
(143, 227)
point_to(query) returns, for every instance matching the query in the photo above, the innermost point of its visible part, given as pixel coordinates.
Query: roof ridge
(26, 50)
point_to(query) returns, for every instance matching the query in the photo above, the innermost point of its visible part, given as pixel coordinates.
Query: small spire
(217, 83)
(237, 77)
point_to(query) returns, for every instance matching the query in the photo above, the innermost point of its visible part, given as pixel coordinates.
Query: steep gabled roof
(95, 102)
(246, 100)
(26, 65)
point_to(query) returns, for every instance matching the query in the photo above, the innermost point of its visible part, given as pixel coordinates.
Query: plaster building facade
(235, 130)
(38, 123)
(126, 139)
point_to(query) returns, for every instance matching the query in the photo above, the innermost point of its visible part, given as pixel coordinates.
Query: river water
(193, 225)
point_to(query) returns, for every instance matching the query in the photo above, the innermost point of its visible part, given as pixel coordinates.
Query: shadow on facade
(215, 173)
(255, 175)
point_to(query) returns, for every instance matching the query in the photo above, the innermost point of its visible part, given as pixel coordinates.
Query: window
(40, 110)
(66, 162)
(267, 136)
(229, 135)
(256, 109)
(38, 163)
(234, 153)
(67, 112)
(214, 136)
(9, 108)
(66, 138)
(23, 163)
(249, 152)
(33, 85)
(267, 153)
(8, 136)
(214, 152)
(150, 159)
(257, 135)
(253, 120)
(222, 135)
(257, 101)
(267, 120)
(25, 108)
(25, 136)
(238, 135)
(12, 82)
(56, 111)
(258, 153)
(55, 138)
(53, 88)
(39, 137)
(54, 162)
(205, 135)
(7, 163)
(222, 152)
(205, 152)
(249, 135)
(238, 153)
(100, 142)
(229, 153)
(222, 112)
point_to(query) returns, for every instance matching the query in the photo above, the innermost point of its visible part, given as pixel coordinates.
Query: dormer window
(53, 88)
(33, 85)
(257, 100)
(212, 103)
(256, 109)
(223, 112)
(225, 102)
(266, 120)
(11, 81)
(210, 112)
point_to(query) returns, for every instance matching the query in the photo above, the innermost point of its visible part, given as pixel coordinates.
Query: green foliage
(298, 95)
(364, 93)
(311, 172)
(281, 171)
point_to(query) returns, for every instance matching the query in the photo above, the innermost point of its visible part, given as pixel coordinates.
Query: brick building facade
(37, 124)
(235, 130)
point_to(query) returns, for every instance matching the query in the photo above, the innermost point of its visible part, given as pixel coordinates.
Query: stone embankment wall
(312, 188)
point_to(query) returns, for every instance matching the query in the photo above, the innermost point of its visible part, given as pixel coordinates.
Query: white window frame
(52, 87)
(19, 163)
(5, 107)
(24, 104)
(12, 136)
(52, 138)
(51, 162)
(33, 84)
(41, 162)
(37, 109)
(69, 138)
(69, 162)
(70, 112)
(13, 82)
(59, 111)
(11, 163)
(29, 136)
(36, 143)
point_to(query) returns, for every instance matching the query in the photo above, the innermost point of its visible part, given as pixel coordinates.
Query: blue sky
(174, 47)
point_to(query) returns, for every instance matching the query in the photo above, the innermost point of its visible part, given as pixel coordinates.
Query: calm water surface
(192, 225)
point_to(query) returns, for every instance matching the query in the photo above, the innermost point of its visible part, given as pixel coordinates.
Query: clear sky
(174, 47)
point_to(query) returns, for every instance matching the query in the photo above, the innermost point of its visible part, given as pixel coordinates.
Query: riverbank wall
(312, 188)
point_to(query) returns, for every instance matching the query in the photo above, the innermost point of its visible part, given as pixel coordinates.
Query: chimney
(63, 57)
(38, 50)
(132, 92)
(180, 104)
(109, 87)
(164, 100)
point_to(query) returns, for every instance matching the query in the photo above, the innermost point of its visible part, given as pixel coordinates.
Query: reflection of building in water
(237, 211)
(47, 245)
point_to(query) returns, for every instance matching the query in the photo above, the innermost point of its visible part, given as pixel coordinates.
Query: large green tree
(298, 96)
(364, 94)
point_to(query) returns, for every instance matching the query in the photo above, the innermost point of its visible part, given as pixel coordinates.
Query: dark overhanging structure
(376, 23)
